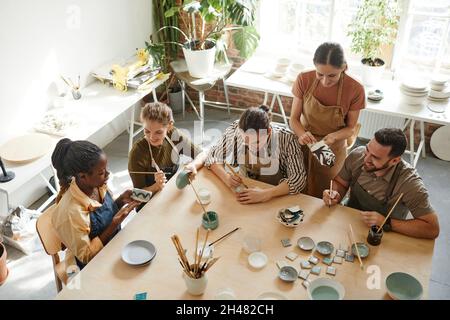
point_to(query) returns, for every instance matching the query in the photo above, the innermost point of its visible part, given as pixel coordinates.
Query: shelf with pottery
(176, 212)
(99, 106)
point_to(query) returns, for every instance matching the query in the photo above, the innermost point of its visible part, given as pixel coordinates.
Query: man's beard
(375, 169)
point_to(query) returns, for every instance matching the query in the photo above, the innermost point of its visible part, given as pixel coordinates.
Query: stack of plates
(413, 93)
(439, 91)
(280, 68)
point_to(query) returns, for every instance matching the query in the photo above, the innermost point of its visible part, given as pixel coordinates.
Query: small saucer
(257, 260)
(362, 248)
(288, 274)
(325, 248)
(306, 243)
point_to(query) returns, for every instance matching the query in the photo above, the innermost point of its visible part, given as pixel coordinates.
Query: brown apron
(321, 120)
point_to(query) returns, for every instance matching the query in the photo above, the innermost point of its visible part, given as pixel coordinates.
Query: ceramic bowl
(281, 218)
(141, 195)
(438, 87)
(283, 62)
(325, 248)
(403, 286)
(288, 274)
(362, 248)
(269, 295)
(182, 179)
(257, 260)
(306, 243)
(439, 94)
(325, 289)
(138, 252)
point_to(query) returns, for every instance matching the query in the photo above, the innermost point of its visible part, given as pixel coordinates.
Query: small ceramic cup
(374, 237)
(213, 221)
(196, 287)
(204, 195)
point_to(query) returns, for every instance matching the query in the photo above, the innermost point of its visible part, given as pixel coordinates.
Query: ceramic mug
(323, 153)
(213, 221)
(196, 287)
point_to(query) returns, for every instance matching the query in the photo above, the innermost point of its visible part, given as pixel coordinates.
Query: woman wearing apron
(85, 215)
(326, 107)
(160, 149)
(263, 152)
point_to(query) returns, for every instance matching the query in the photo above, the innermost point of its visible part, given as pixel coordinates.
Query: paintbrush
(235, 174)
(225, 235)
(390, 212)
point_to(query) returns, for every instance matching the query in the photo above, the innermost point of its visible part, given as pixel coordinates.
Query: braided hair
(71, 158)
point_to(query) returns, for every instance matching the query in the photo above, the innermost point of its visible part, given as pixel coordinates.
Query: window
(297, 27)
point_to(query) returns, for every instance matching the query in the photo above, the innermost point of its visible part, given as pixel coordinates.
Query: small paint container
(374, 237)
(210, 220)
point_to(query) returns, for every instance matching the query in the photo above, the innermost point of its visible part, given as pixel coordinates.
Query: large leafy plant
(210, 22)
(374, 25)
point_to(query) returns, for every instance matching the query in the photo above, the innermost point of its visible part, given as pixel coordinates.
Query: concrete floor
(31, 276)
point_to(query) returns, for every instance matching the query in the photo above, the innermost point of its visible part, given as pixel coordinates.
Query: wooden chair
(52, 246)
(351, 140)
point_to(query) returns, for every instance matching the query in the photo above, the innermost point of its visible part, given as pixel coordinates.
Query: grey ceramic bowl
(288, 274)
(306, 243)
(362, 248)
(403, 286)
(182, 179)
(325, 248)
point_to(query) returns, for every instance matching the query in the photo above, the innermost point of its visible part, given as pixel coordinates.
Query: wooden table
(175, 211)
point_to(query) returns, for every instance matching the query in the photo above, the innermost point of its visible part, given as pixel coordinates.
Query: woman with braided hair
(85, 215)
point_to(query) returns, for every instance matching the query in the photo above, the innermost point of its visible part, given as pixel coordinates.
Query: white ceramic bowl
(283, 62)
(439, 94)
(438, 87)
(325, 289)
(257, 260)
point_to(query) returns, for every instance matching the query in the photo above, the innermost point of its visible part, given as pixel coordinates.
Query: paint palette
(141, 195)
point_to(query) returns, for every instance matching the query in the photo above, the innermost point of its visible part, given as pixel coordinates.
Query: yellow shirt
(70, 218)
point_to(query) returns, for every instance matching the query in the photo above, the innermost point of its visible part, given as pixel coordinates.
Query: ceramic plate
(325, 248)
(271, 296)
(362, 248)
(138, 252)
(288, 274)
(326, 289)
(403, 286)
(440, 144)
(257, 260)
(306, 243)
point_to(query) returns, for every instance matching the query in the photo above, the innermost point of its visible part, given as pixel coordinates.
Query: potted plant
(208, 24)
(374, 26)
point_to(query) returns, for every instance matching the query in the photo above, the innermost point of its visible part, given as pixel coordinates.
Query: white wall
(39, 40)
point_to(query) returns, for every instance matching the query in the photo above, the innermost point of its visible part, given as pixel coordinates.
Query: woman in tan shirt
(326, 106)
(160, 150)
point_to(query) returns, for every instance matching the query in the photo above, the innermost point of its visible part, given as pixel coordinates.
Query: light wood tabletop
(174, 211)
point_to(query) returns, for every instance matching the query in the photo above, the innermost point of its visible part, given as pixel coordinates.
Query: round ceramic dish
(403, 286)
(325, 289)
(306, 243)
(325, 248)
(271, 296)
(257, 260)
(138, 252)
(288, 274)
(362, 248)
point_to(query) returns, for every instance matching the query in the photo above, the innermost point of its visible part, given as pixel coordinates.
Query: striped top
(284, 152)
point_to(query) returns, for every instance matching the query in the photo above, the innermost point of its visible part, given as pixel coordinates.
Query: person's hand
(253, 195)
(124, 198)
(329, 139)
(160, 180)
(331, 199)
(123, 212)
(190, 167)
(372, 218)
(233, 181)
(307, 138)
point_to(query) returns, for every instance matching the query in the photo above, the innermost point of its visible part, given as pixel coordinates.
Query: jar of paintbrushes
(75, 88)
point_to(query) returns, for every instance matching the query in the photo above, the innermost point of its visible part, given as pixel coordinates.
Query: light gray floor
(31, 277)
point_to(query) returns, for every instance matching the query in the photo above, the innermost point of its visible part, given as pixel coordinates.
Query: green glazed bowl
(182, 179)
(403, 286)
